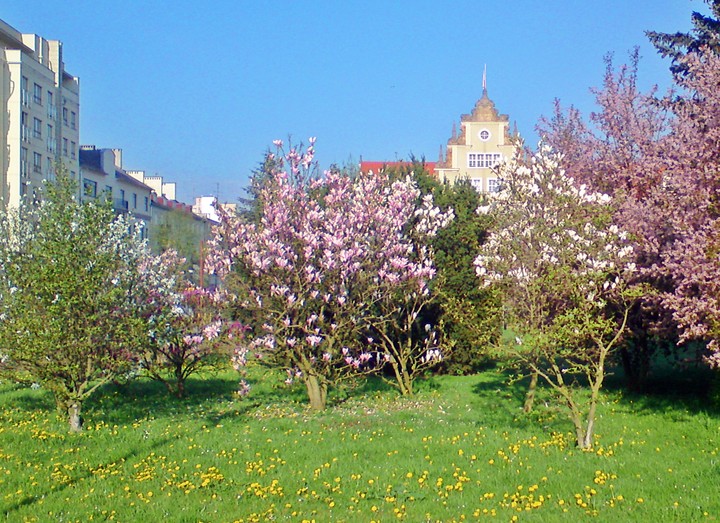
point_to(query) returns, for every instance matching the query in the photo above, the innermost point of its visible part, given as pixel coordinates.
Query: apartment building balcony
(120, 205)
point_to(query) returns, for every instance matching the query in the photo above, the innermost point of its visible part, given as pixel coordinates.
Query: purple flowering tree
(322, 261)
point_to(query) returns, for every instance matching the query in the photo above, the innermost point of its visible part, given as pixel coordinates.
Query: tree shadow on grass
(142, 398)
(672, 391)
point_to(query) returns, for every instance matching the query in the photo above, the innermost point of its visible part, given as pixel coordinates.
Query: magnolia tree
(395, 323)
(185, 328)
(562, 268)
(69, 320)
(320, 267)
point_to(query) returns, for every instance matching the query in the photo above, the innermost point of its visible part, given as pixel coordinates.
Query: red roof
(379, 166)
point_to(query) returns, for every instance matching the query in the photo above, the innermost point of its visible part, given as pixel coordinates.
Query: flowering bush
(325, 257)
(186, 330)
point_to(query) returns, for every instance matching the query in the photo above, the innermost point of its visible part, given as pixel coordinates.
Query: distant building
(205, 206)
(40, 120)
(173, 224)
(102, 176)
(483, 142)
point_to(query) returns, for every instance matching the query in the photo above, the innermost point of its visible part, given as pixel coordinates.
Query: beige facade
(484, 141)
(40, 117)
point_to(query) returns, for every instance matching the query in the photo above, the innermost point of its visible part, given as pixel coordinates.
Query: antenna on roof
(484, 85)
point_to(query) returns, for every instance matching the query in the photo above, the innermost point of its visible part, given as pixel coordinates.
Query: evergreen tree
(705, 33)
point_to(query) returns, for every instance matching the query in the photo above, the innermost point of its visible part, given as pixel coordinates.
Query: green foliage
(182, 232)
(66, 281)
(471, 313)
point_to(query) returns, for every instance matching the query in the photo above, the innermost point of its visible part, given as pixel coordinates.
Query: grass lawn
(460, 450)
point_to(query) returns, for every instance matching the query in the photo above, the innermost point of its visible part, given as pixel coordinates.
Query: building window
(37, 162)
(37, 94)
(147, 204)
(50, 167)
(51, 109)
(493, 185)
(65, 117)
(483, 160)
(134, 201)
(50, 139)
(37, 128)
(477, 184)
(24, 93)
(73, 120)
(23, 161)
(89, 188)
(65, 146)
(24, 127)
(72, 150)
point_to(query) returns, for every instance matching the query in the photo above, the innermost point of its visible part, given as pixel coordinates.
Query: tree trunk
(317, 392)
(74, 418)
(179, 382)
(403, 378)
(636, 363)
(530, 395)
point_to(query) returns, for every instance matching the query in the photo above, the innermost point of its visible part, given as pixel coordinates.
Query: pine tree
(705, 33)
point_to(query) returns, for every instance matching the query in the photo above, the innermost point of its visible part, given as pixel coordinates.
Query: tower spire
(484, 84)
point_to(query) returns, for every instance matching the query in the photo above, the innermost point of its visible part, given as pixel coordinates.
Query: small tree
(68, 277)
(561, 266)
(186, 330)
(324, 256)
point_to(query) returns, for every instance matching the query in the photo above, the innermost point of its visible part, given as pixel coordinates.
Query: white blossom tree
(562, 267)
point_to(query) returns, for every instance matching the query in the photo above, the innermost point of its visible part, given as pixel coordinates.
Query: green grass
(459, 450)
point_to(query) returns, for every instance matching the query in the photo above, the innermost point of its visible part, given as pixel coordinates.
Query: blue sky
(197, 91)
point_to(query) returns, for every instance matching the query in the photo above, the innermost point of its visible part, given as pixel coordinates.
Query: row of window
(90, 190)
(483, 160)
(69, 146)
(69, 117)
(37, 163)
(493, 184)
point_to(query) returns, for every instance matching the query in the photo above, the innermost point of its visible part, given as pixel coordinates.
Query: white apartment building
(102, 176)
(40, 123)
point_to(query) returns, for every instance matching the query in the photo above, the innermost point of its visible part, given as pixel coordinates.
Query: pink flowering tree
(323, 258)
(186, 330)
(395, 324)
(691, 186)
(659, 159)
(562, 268)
